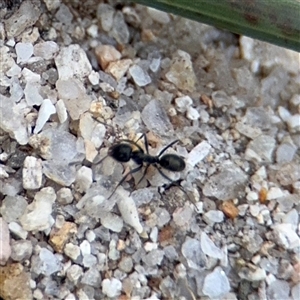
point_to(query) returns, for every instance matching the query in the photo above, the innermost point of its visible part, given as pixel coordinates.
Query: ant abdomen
(172, 162)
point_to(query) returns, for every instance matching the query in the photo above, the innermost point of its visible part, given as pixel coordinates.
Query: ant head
(172, 162)
(120, 152)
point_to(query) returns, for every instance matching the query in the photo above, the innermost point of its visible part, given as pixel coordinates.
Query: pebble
(140, 76)
(182, 216)
(21, 250)
(252, 275)
(46, 110)
(129, 212)
(5, 249)
(287, 237)
(209, 248)
(94, 78)
(229, 209)
(278, 290)
(37, 215)
(126, 264)
(61, 111)
(192, 114)
(155, 118)
(89, 260)
(105, 14)
(17, 230)
(13, 275)
(106, 54)
(216, 284)
(158, 16)
(13, 207)
(32, 173)
(64, 14)
(32, 93)
(62, 174)
(294, 123)
(84, 179)
(24, 52)
(74, 273)
(285, 152)
(60, 236)
(120, 29)
(71, 250)
(92, 277)
(47, 263)
(85, 248)
(26, 16)
(181, 72)
(213, 216)
(46, 50)
(191, 250)
(71, 62)
(220, 99)
(226, 184)
(118, 68)
(198, 153)
(274, 193)
(112, 222)
(182, 103)
(153, 258)
(111, 287)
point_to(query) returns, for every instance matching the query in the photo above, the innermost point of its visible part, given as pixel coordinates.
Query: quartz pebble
(24, 52)
(46, 110)
(140, 76)
(182, 103)
(13, 207)
(158, 16)
(16, 229)
(106, 54)
(84, 179)
(32, 173)
(46, 50)
(37, 215)
(111, 287)
(216, 284)
(209, 248)
(198, 153)
(5, 249)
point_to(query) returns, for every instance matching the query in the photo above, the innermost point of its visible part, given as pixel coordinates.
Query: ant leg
(179, 186)
(145, 141)
(144, 173)
(124, 177)
(167, 147)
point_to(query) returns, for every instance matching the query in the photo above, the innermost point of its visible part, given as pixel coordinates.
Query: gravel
(75, 79)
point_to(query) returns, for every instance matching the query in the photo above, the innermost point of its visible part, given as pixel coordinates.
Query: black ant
(123, 151)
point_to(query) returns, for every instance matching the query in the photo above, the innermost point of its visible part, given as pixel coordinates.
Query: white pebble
(140, 77)
(17, 230)
(46, 110)
(24, 52)
(85, 248)
(94, 78)
(294, 123)
(182, 103)
(84, 179)
(192, 113)
(252, 196)
(61, 111)
(274, 193)
(32, 173)
(284, 114)
(158, 16)
(93, 31)
(111, 287)
(198, 153)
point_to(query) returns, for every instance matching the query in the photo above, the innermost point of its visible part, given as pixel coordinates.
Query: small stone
(286, 236)
(252, 196)
(181, 72)
(192, 114)
(209, 248)
(120, 29)
(46, 110)
(94, 78)
(213, 216)
(92, 277)
(278, 290)
(220, 99)
(216, 284)
(60, 236)
(285, 152)
(182, 103)
(26, 16)
(32, 173)
(155, 118)
(24, 52)
(21, 250)
(182, 216)
(140, 76)
(274, 193)
(5, 249)
(46, 50)
(111, 287)
(15, 70)
(126, 264)
(92, 31)
(64, 196)
(153, 258)
(112, 222)
(106, 54)
(191, 250)
(129, 212)
(118, 68)
(198, 153)
(261, 149)
(74, 273)
(85, 247)
(13, 207)
(288, 173)
(61, 111)
(71, 250)
(32, 94)
(284, 114)
(229, 209)
(105, 14)
(15, 282)
(72, 62)
(63, 15)
(84, 179)
(37, 215)
(158, 16)
(294, 123)
(89, 260)
(17, 230)
(47, 263)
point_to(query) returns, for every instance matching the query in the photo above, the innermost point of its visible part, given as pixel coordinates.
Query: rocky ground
(74, 80)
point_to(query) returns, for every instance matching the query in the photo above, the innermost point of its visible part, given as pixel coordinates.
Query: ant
(123, 151)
